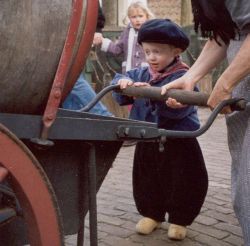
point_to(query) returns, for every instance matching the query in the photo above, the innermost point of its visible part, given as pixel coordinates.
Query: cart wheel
(32, 189)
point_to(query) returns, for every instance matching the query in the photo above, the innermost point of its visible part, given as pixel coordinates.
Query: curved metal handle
(186, 97)
(233, 102)
(150, 133)
(154, 93)
(98, 97)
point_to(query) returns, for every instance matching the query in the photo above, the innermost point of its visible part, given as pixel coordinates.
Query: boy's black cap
(163, 31)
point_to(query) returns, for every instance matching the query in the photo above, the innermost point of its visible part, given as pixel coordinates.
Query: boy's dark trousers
(174, 181)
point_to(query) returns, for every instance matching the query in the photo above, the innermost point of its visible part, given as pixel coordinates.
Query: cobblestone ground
(216, 225)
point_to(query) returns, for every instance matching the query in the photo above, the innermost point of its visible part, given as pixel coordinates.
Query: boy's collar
(173, 67)
(170, 64)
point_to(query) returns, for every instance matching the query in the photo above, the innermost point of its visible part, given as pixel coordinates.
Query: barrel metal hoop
(62, 70)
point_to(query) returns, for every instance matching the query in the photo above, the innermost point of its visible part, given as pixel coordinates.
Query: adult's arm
(235, 72)
(211, 55)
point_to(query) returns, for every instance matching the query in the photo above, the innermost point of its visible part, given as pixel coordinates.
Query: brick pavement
(216, 225)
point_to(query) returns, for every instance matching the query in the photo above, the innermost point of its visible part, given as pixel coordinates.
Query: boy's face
(137, 17)
(159, 56)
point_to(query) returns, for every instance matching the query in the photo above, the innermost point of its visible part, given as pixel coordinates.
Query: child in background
(174, 181)
(127, 44)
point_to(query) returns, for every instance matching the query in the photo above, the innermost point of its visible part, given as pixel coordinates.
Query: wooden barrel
(33, 35)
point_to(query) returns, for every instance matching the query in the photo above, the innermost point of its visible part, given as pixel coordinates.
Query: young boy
(173, 181)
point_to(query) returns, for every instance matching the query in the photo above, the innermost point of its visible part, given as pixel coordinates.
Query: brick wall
(166, 9)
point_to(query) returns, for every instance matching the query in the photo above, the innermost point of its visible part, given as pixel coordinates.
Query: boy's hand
(138, 84)
(180, 83)
(124, 83)
(172, 103)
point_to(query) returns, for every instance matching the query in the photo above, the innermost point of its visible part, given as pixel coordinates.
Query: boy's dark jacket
(155, 111)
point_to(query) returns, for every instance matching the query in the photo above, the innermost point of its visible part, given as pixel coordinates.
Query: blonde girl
(127, 45)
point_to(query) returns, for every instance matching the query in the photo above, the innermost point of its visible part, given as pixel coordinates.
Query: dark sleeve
(100, 19)
(173, 113)
(240, 13)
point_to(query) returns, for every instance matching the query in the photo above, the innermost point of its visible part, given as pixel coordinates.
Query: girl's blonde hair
(138, 5)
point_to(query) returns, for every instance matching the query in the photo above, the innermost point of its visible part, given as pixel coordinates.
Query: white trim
(105, 44)
(144, 64)
(131, 37)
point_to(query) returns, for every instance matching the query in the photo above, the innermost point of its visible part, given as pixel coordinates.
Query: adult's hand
(180, 83)
(218, 95)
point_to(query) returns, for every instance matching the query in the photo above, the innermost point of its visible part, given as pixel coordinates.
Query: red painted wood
(91, 13)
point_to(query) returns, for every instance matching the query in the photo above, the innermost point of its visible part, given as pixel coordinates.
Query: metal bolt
(142, 132)
(126, 131)
(57, 94)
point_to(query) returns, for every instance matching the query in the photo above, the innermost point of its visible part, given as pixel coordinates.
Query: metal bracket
(163, 140)
(137, 132)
